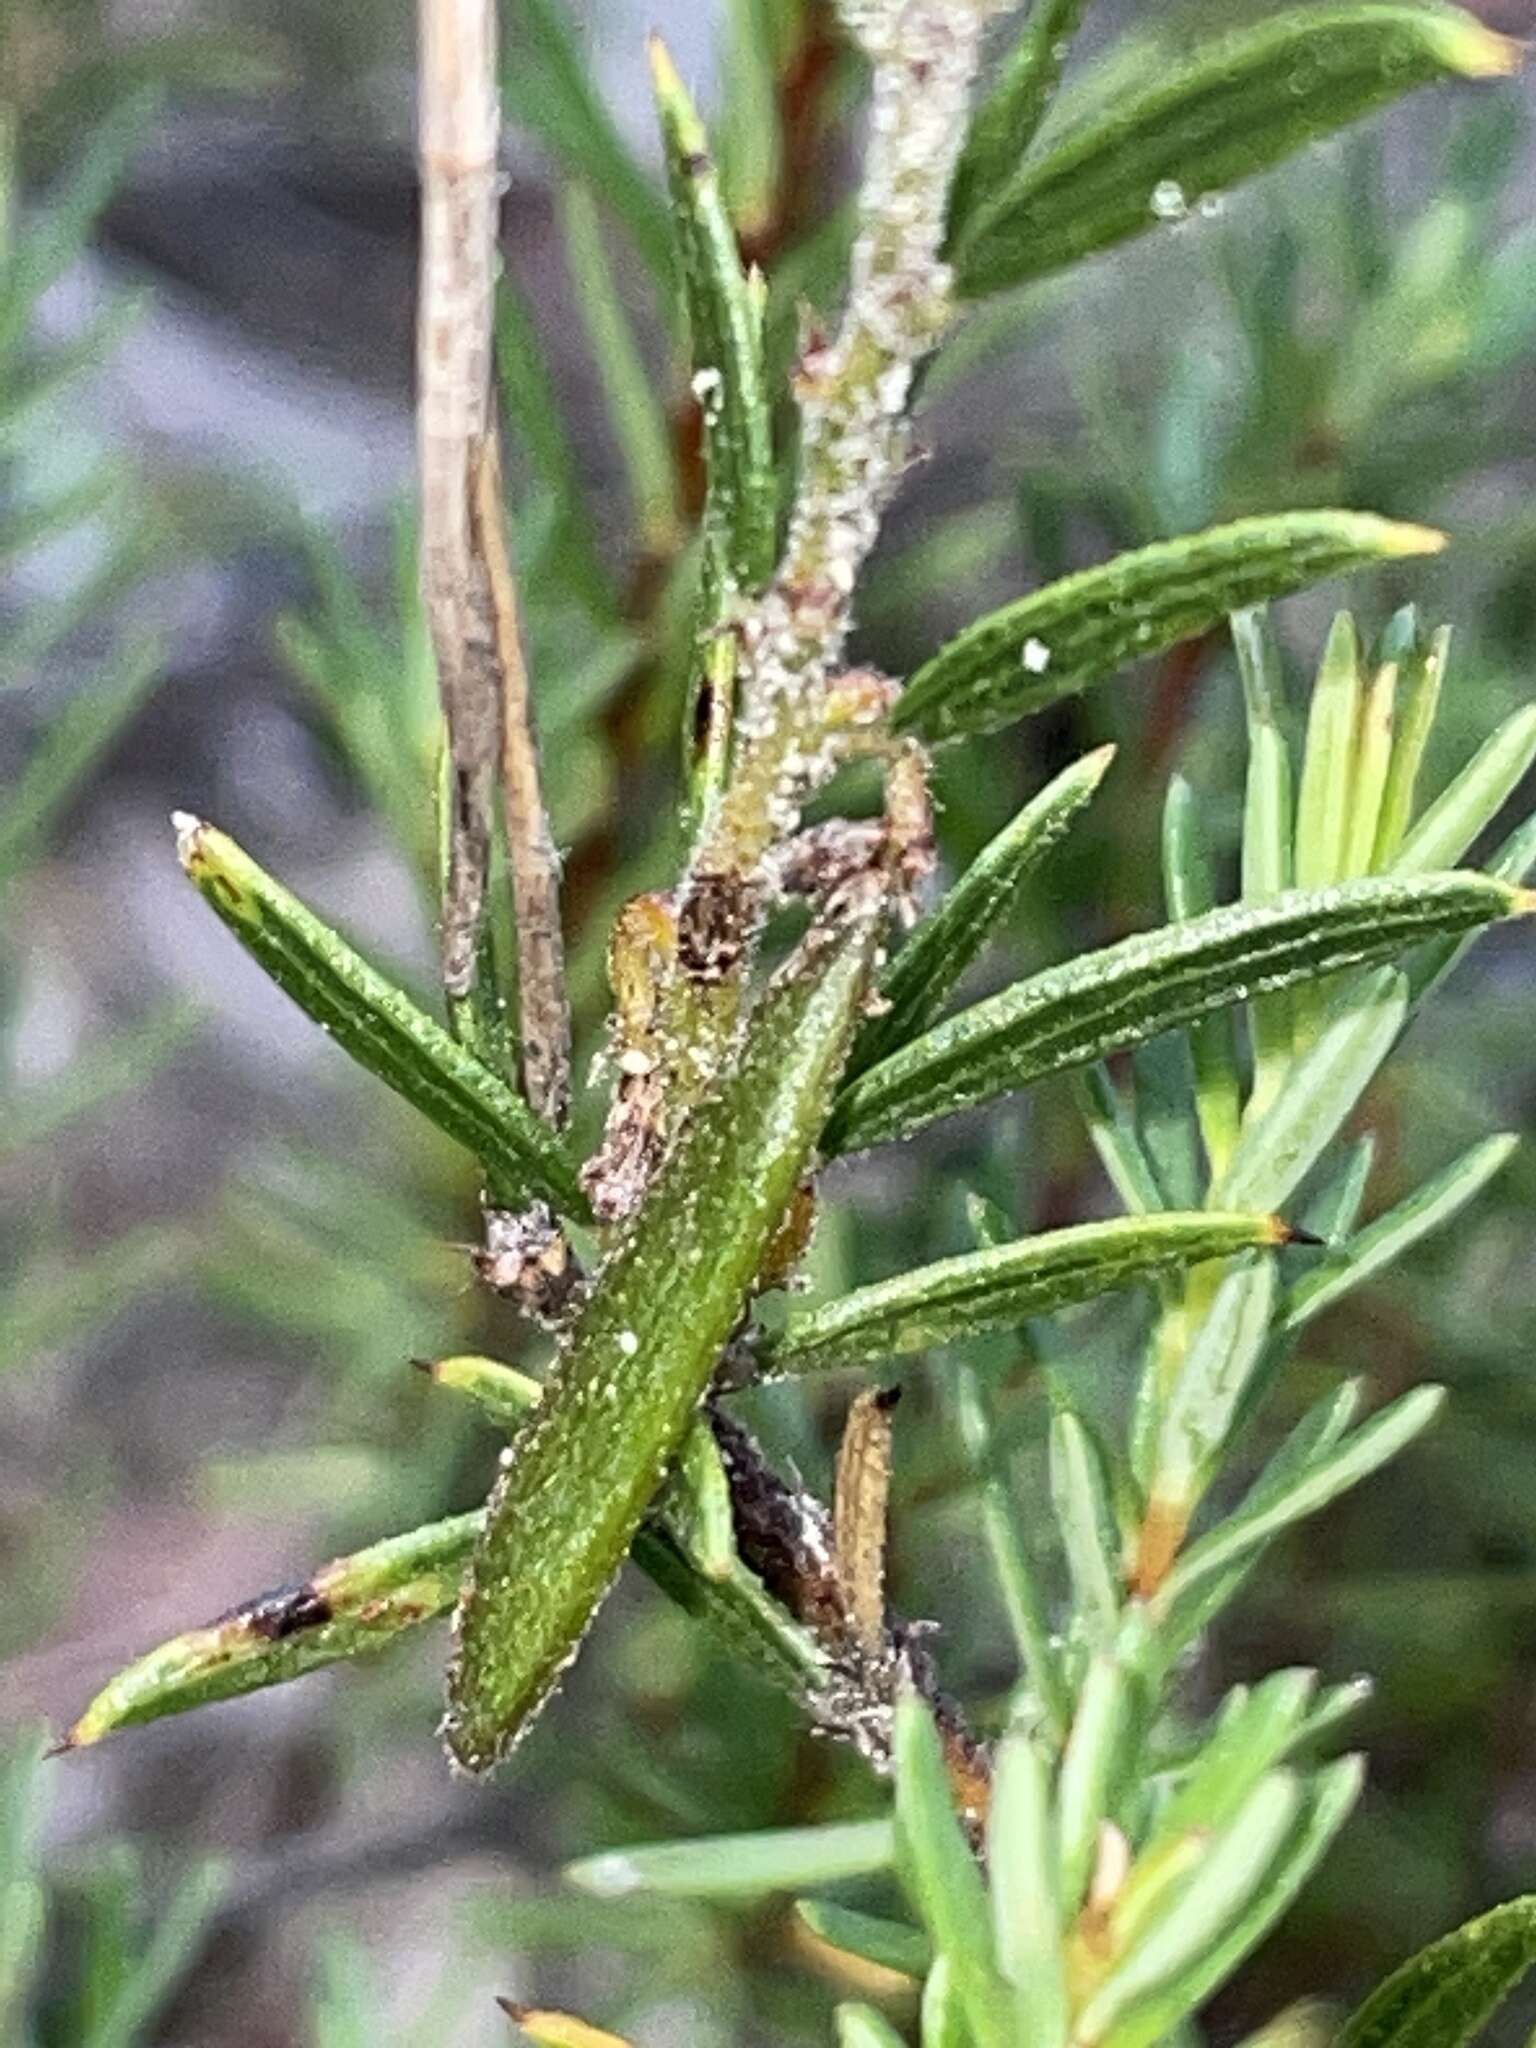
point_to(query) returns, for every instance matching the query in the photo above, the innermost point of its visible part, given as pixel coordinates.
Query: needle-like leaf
(1072, 1015)
(376, 1022)
(582, 1471)
(918, 983)
(726, 329)
(1450, 1990)
(1241, 104)
(1060, 639)
(1005, 1286)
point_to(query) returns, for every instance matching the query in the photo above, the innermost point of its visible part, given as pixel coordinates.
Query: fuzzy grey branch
(854, 392)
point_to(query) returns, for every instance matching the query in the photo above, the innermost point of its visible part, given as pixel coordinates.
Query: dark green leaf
(376, 1022)
(1450, 1990)
(1001, 1288)
(1072, 1015)
(726, 327)
(582, 1470)
(1241, 104)
(1009, 115)
(1060, 639)
(927, 969)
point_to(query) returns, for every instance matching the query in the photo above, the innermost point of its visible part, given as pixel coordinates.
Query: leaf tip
(189, 830)
(1293, 1233)
(1479, 52)
(1399, 537)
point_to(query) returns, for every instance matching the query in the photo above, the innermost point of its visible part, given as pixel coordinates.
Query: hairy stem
(854, 392)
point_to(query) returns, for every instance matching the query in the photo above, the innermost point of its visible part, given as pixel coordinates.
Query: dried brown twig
(467, 578)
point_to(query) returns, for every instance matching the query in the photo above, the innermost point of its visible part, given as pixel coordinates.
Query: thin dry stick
(543, 1008)
(467, 579)
(457, 127)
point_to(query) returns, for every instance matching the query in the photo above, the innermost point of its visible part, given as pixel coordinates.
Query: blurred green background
(220, 1247)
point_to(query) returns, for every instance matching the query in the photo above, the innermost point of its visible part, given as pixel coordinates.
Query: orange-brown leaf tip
(1292, 1233)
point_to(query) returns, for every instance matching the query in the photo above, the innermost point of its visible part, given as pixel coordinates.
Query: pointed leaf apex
(1400, 538)
(189, 830)
(674, 99)
(1292, 1233)
(1522, 902)
(1477, 52)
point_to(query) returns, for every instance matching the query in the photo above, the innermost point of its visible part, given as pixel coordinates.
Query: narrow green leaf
(629, 1377)
(1190, 892)
(376, 1022)
(1268, 825)
(939, 1871)
(1279, 1150)
(1090, 1765)
(1243, 103)
(860, 2026)
(1334, 1210)
(740, 1866)
(693, 1509)
(1071, 1015)
(1253, 1523)
(547, 84)
(729, 379)
(1080, 1498)
(889, 1944)
(634, 404)
(377, 1594)
(1254, 1732)
(1024, 1599)
(999, 1289)
(146, 1980)
(1026, 1902)
(1427, 1209)
(1072, 633)
(1449, 1991)
(343, 1610)
(1473, 800)
(1327, 1799)
(1419, 701)
(929, 966)
(943, 2015)
(1226, 1881)
(1197, 1416)
(1328, 765)
(1008, 117)
(534, 415)
(1309, 1444)
(1167, 1119)
(1373, 761)
(1118, 1143)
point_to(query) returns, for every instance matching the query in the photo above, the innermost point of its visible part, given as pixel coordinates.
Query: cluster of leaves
(1133, 1859)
